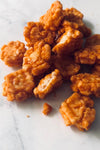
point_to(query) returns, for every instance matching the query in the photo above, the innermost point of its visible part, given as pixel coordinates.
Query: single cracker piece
(78, 110)
(37, 58)
(12, 53)
(70, 41)
(89, 55)
(87, 84)
(74, 16)
(18, 85)
(96, 70)
(53, 17)
(46, 109)
(93, 40)
(66, 66)
(34, 32)
(48, 84)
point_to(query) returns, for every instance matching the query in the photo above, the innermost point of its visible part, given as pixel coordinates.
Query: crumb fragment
(37, 58)
(18, 85)
(48, 84)
(28, 116)
(78, 110)
(87, 84)
(46, 109)
(12, 53)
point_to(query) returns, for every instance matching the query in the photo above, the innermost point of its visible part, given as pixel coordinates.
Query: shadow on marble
(54, 99)
(16, 68)
(89, 24)
(53, 112)
(85, 68)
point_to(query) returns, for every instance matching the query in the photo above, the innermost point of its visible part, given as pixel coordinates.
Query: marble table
(38, 132)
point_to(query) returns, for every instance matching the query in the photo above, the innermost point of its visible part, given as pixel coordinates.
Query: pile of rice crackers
(55, 53)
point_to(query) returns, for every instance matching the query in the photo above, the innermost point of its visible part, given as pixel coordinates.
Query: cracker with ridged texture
(53, 17)
(87, 84)
(18, 85)
(12, 53)
(37, 58)
(70, 41)
(35, 32)
(66, 66)
(48, 84)
(89, 55)
(78, 110)
(75, 16)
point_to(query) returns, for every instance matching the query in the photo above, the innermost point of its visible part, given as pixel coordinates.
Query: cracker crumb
(28, 116)
(46, 109)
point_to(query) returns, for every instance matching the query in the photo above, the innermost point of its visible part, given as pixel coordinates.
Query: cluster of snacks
(55, 53)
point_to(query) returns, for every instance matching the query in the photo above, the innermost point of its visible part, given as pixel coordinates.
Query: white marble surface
(17, 132)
